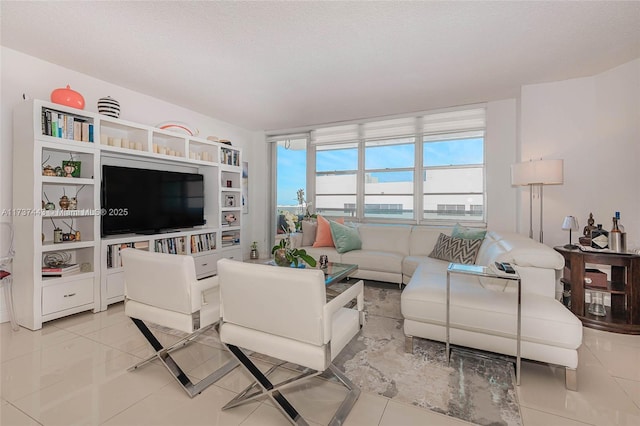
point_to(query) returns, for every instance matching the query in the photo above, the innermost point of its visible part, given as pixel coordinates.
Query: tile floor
(73, 371)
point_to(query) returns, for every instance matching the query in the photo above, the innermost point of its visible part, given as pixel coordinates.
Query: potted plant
(284, 255)
(254, 251)
(282, 252)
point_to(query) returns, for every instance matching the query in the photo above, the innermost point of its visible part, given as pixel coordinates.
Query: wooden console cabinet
(623, 316)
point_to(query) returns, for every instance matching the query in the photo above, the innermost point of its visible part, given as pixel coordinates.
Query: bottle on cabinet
(599, 238)
(617, 240)
(617, 214)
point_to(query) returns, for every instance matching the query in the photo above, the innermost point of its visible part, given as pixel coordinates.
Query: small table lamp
(570, 223)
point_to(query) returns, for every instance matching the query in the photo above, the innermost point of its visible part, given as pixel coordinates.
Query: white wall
(593, 124)
(21, 73)
(500, 153)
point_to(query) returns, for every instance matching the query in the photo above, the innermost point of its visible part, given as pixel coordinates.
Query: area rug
(476, 386)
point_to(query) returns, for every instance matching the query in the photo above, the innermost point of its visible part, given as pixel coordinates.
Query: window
(420, 169)
(290, 173)
(453, 182)
(336, 179)
(388, 184)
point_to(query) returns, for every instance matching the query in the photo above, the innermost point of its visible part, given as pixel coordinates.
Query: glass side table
(484, 271)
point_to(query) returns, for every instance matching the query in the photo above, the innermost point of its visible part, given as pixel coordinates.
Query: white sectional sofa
(483, 311)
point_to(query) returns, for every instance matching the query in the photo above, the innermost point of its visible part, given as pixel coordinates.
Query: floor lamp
(536, 173)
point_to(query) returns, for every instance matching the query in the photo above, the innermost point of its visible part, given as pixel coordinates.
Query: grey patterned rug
(476, 387)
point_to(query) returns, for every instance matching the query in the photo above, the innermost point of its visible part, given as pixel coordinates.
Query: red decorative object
(67, 97)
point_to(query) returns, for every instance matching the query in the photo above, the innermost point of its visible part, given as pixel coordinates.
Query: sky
(292, 169)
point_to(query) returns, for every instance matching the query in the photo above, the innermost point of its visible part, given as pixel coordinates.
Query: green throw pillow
(457, 250)
(344, 237)
(460, 231)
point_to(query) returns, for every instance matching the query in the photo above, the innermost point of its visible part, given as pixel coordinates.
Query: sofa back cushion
(393, 238)
(423, 239)
(309, 230)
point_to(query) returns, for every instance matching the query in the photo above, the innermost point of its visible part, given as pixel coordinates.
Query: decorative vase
(254, 254)
(109, 107)
(280, 257)
(67, 96)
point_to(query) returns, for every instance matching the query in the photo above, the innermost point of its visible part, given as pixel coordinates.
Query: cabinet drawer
(66, 295)
(206, 265)
(115, 285)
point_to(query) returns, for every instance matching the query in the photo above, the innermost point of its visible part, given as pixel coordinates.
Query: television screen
(149, 201)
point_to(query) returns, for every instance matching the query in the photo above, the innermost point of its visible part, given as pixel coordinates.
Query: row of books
(67, 126)
(114, 260)
(231, 157)
(203, 242)
(171, 246)
(60, 270)
(230, 240)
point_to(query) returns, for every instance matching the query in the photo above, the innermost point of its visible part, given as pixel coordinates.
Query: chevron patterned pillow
(457, 250)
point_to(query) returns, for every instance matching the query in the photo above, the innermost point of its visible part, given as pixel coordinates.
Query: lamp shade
(570, 223)
(543, 172)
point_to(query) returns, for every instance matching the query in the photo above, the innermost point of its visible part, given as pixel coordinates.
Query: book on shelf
(67, 126)
(61, 270)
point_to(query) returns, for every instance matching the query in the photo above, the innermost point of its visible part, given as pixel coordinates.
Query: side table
(484, 271)
(623, 316)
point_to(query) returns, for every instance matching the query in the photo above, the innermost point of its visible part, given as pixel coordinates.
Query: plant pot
(280, 257)
(254, 254)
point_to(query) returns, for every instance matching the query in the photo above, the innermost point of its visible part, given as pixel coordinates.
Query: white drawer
(115, 285)
(206, 265)
(67, 295)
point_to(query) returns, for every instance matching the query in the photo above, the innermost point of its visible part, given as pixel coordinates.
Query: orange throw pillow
(323, 234)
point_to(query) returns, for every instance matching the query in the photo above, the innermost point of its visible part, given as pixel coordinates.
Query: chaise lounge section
(483, 311)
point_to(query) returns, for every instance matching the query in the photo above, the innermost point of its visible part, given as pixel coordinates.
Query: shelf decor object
(536, 174)
(570, 223)
(109, 107)
(67, 96)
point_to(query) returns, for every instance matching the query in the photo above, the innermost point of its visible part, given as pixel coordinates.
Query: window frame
(426, 125)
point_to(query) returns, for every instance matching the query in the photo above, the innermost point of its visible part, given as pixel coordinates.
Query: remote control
(508, 268)
(505, 267)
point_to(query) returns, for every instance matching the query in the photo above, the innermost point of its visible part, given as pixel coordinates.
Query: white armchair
(283, 313)
(163, 289)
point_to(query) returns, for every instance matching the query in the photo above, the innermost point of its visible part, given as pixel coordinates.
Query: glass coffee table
(334, 273)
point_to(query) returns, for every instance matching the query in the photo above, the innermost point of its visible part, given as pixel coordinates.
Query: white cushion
(391, 238)
(424, 238)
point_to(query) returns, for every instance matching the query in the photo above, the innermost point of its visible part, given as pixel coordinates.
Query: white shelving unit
(201, 243)
(106, 140)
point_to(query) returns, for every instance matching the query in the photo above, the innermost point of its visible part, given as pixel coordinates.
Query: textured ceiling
(282, 65)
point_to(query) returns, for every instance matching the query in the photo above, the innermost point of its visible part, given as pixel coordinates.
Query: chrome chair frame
(6, 279)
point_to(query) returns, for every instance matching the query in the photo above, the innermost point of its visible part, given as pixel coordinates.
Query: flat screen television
(149, 201)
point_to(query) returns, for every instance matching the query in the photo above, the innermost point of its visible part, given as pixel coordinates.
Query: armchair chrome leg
(345, 408)
(408, 344)
(571, 378)
(268, 388)
(163, 354)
